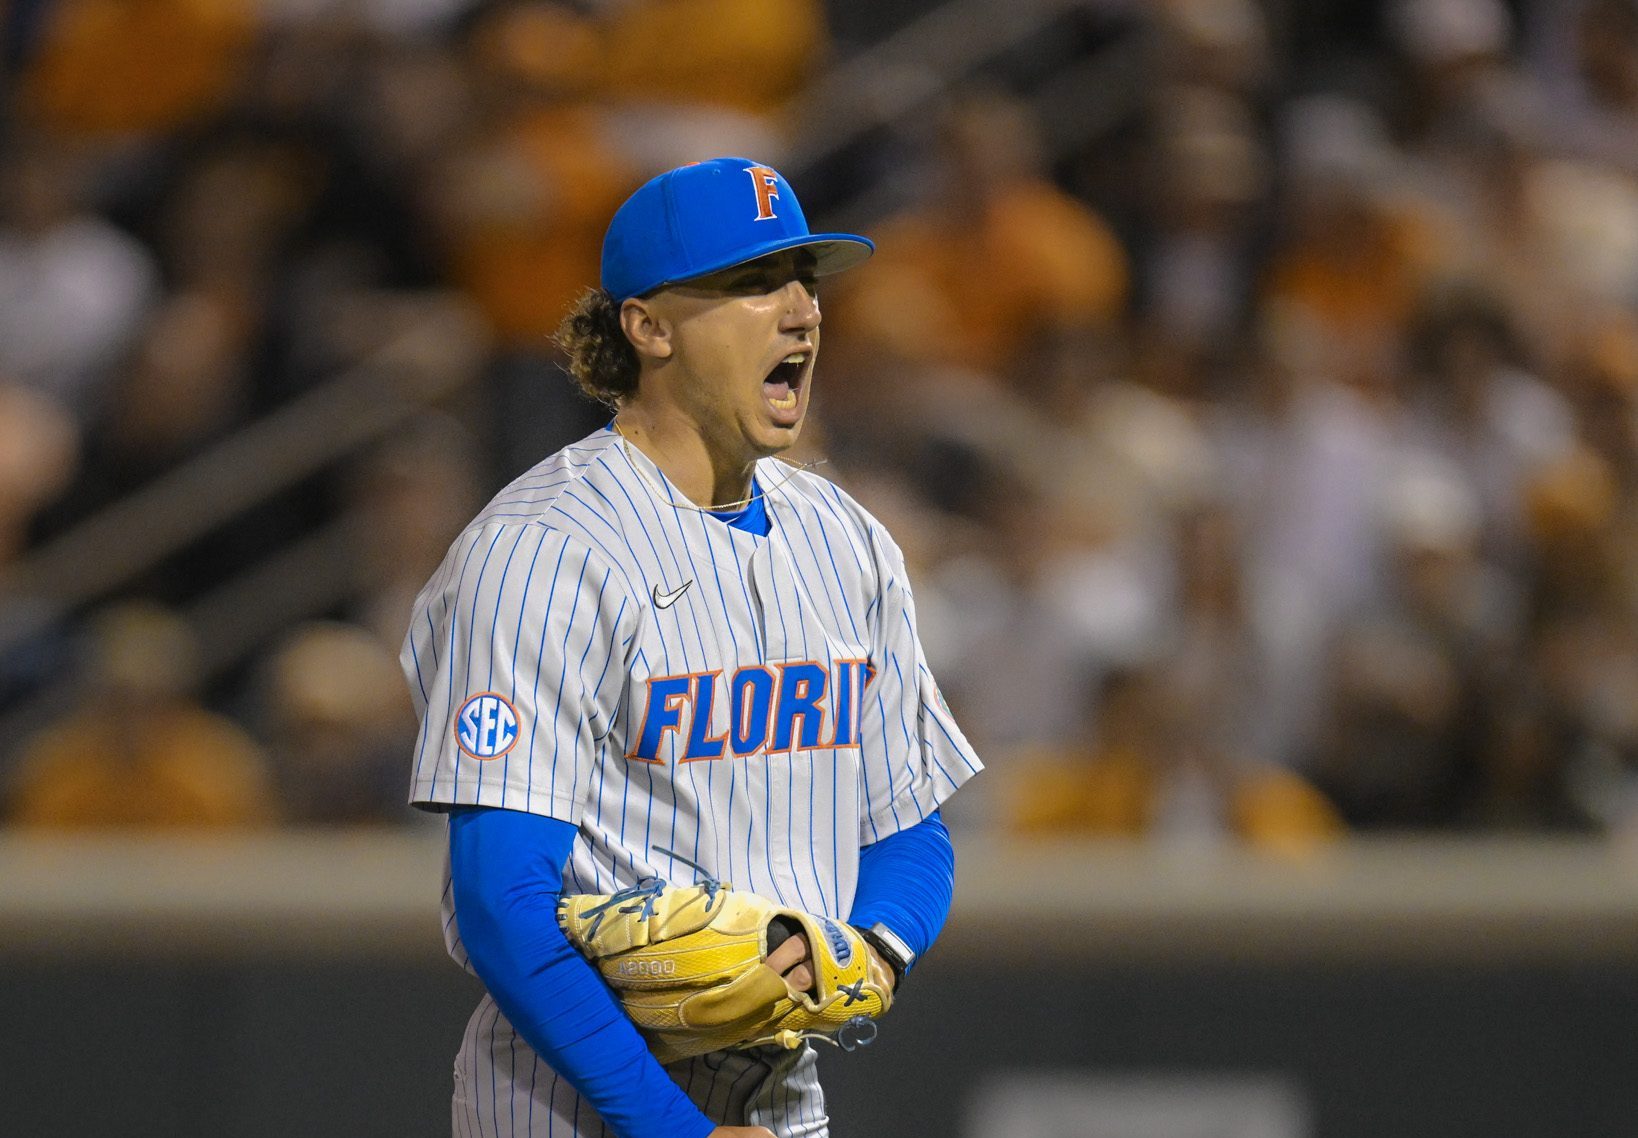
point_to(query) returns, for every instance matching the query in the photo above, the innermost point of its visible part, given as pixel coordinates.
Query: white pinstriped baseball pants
(504, 1090)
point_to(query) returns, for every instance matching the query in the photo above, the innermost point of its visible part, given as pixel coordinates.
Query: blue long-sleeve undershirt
(906, 881)
(507, 871)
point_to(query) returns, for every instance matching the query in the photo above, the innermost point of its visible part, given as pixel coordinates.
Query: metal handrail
(416, 369)
(890, 80)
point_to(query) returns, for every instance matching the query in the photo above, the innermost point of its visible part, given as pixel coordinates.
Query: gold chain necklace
(659, 491)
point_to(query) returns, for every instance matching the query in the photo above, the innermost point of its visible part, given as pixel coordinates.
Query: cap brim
(833, 252)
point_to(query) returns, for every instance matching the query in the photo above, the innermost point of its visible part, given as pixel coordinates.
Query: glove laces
(704, 878)
(640, 898)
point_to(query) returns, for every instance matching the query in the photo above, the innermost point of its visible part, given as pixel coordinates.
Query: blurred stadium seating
(1252, 384)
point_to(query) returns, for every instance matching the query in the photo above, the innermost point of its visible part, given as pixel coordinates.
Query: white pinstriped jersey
(759, 705)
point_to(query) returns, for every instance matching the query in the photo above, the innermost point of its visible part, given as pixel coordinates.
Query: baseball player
(663, 652)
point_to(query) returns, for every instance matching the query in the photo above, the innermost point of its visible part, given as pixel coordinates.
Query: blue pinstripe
(534, 687)
(829, 496)
(944, 730)
(454, 627)
(836, 576)
(471, 632)
(587, 722)
(688, 662)
(534, 1069)
(563, 672)
(652, 548)
(784, 653)
(517, 641)
(579, 529)
(648, 817)
(802, 583)
(494, 625)
(726, 619)
(420, 681)
(790, 775)
(421, 749)
(733, 638)
(659, 524)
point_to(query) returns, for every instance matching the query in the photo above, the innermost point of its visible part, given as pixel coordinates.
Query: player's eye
(764, 280)
(773, 282)
(749, 284)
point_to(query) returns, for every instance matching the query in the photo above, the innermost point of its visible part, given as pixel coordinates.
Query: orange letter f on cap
(767, 189)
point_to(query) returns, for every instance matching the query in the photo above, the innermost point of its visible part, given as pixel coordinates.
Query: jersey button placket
(764, 607)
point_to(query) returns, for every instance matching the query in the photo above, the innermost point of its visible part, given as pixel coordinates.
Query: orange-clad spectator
(136, 66)
(521, 206)
(749, 56)
(141, 751)
(1135, 779)
(1001, 256)
(523, 211)
(1109, 796)
(1275, 809)
(543, 45)
(1356, 260)
(1356, 277)
(1117, 795)
(746, 55)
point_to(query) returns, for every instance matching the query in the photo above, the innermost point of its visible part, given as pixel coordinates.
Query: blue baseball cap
(708, 216)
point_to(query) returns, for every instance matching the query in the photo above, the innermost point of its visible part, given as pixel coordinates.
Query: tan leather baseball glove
(687, 964)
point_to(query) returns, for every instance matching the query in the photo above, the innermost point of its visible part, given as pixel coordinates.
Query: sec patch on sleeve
(486, 727)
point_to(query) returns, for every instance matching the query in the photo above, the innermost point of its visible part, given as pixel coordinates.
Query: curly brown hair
(601, 359)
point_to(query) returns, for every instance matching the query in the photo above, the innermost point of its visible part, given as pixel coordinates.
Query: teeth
(794, 358)
(788, 403)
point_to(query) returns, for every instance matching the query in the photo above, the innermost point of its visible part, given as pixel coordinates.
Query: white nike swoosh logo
(666, 600)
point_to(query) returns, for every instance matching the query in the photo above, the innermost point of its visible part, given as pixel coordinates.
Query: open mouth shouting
(783, 386)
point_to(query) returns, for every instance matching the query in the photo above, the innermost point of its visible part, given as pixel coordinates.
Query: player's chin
(782, 438)
(772, 436)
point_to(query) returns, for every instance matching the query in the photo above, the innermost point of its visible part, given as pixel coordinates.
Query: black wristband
(890, 948)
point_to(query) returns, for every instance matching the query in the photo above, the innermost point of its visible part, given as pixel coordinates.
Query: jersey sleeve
(914, 755)
(516, 663)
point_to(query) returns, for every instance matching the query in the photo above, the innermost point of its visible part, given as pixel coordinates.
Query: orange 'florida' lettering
(769, 708)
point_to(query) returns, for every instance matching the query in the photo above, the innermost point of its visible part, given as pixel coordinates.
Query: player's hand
(740, 1132)
(791, 959)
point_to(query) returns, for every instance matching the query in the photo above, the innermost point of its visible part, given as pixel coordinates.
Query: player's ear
(646, 327)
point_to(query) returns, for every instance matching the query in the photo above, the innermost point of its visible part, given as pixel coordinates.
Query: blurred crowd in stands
(1265, 453)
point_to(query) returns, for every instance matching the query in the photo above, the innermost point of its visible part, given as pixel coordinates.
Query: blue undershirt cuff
(907, 881)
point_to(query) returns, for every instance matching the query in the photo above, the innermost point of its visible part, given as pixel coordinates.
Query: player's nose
(801, 308)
